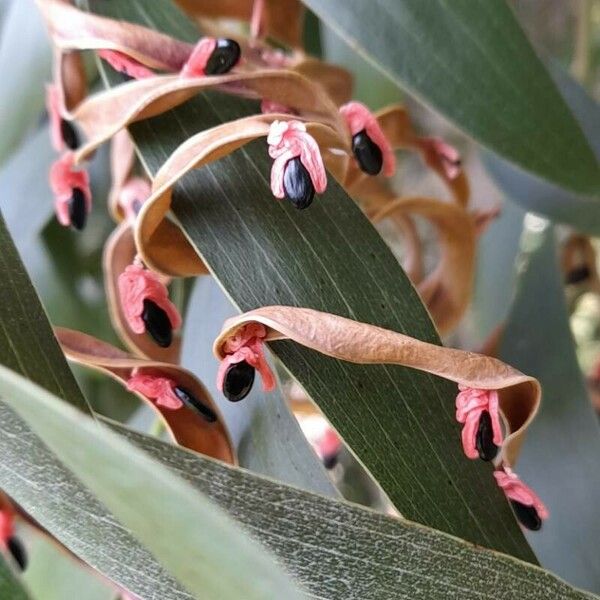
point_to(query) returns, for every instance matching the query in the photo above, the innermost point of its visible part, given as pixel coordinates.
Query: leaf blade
(438, 49)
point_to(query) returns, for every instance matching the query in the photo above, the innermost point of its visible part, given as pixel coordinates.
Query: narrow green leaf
(399, 422)
(25, 64)
(266, 435)
(52, 574)
(27, 344)
(337, 549)
(559, 458)
(10, 586)
(334, 549)
(470, 60)
(537, 195)
(195, 541)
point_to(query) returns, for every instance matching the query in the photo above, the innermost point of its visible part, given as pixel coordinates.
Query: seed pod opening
(223, 58)
(17, 549)
(157, 323)
(192, 402)
(238, 381)
(368, 154)
(69, 134)
(77, 209)
(527, 515)
(484, 438)
(297, 184)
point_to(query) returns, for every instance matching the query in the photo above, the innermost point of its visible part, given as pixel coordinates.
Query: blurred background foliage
(67, 270)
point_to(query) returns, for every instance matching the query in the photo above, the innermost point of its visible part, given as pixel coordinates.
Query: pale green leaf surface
(25, 64)
(533, 193)
(560, 456)
(190, 536)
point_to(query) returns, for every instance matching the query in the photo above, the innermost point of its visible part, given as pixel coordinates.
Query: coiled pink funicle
(196, 63)
(137, 284)
(125, 64)
(7, 527)
(64, 178)
(516, 490)
(156, 387)
(358, 118)
(287, 140)
(470, 404)
(247, 345)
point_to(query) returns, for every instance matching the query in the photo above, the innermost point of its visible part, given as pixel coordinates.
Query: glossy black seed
(69, 134)
(157, 324)
(330, 460)
(18, 552)
(578, 275)
(223, 58)
(238, 381)
(367, 153)
(77, 209)
(192, 402)
(527, 515)
(483, 440)
(297, 184)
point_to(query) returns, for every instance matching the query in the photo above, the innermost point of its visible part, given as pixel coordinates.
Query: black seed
(367, 152)
(238, 381)
(297, 184)
(157, 324)
(17, 549)
(192, 402)
(223, 58)
(77, 209)
(330, 460)
(527, 515)
(484, 438)
(69, 134)
(578, 274)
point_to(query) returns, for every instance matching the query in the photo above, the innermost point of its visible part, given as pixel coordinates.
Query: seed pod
(298, 186)
(527, 515)
(238, 381)
(192, 402)
(578, 274)
(69, 134)
(368, 154)
(223, 58)
(17, 549)
(157, 324)
(77, 209)
(484, 438)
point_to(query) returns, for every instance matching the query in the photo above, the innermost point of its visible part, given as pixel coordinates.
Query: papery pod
(348, 340)
(162, 246)
(70, 79)
(282, 21)
(72, 29)
(101, 116)
(119, 252)
(446, 291)
(185, 425)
